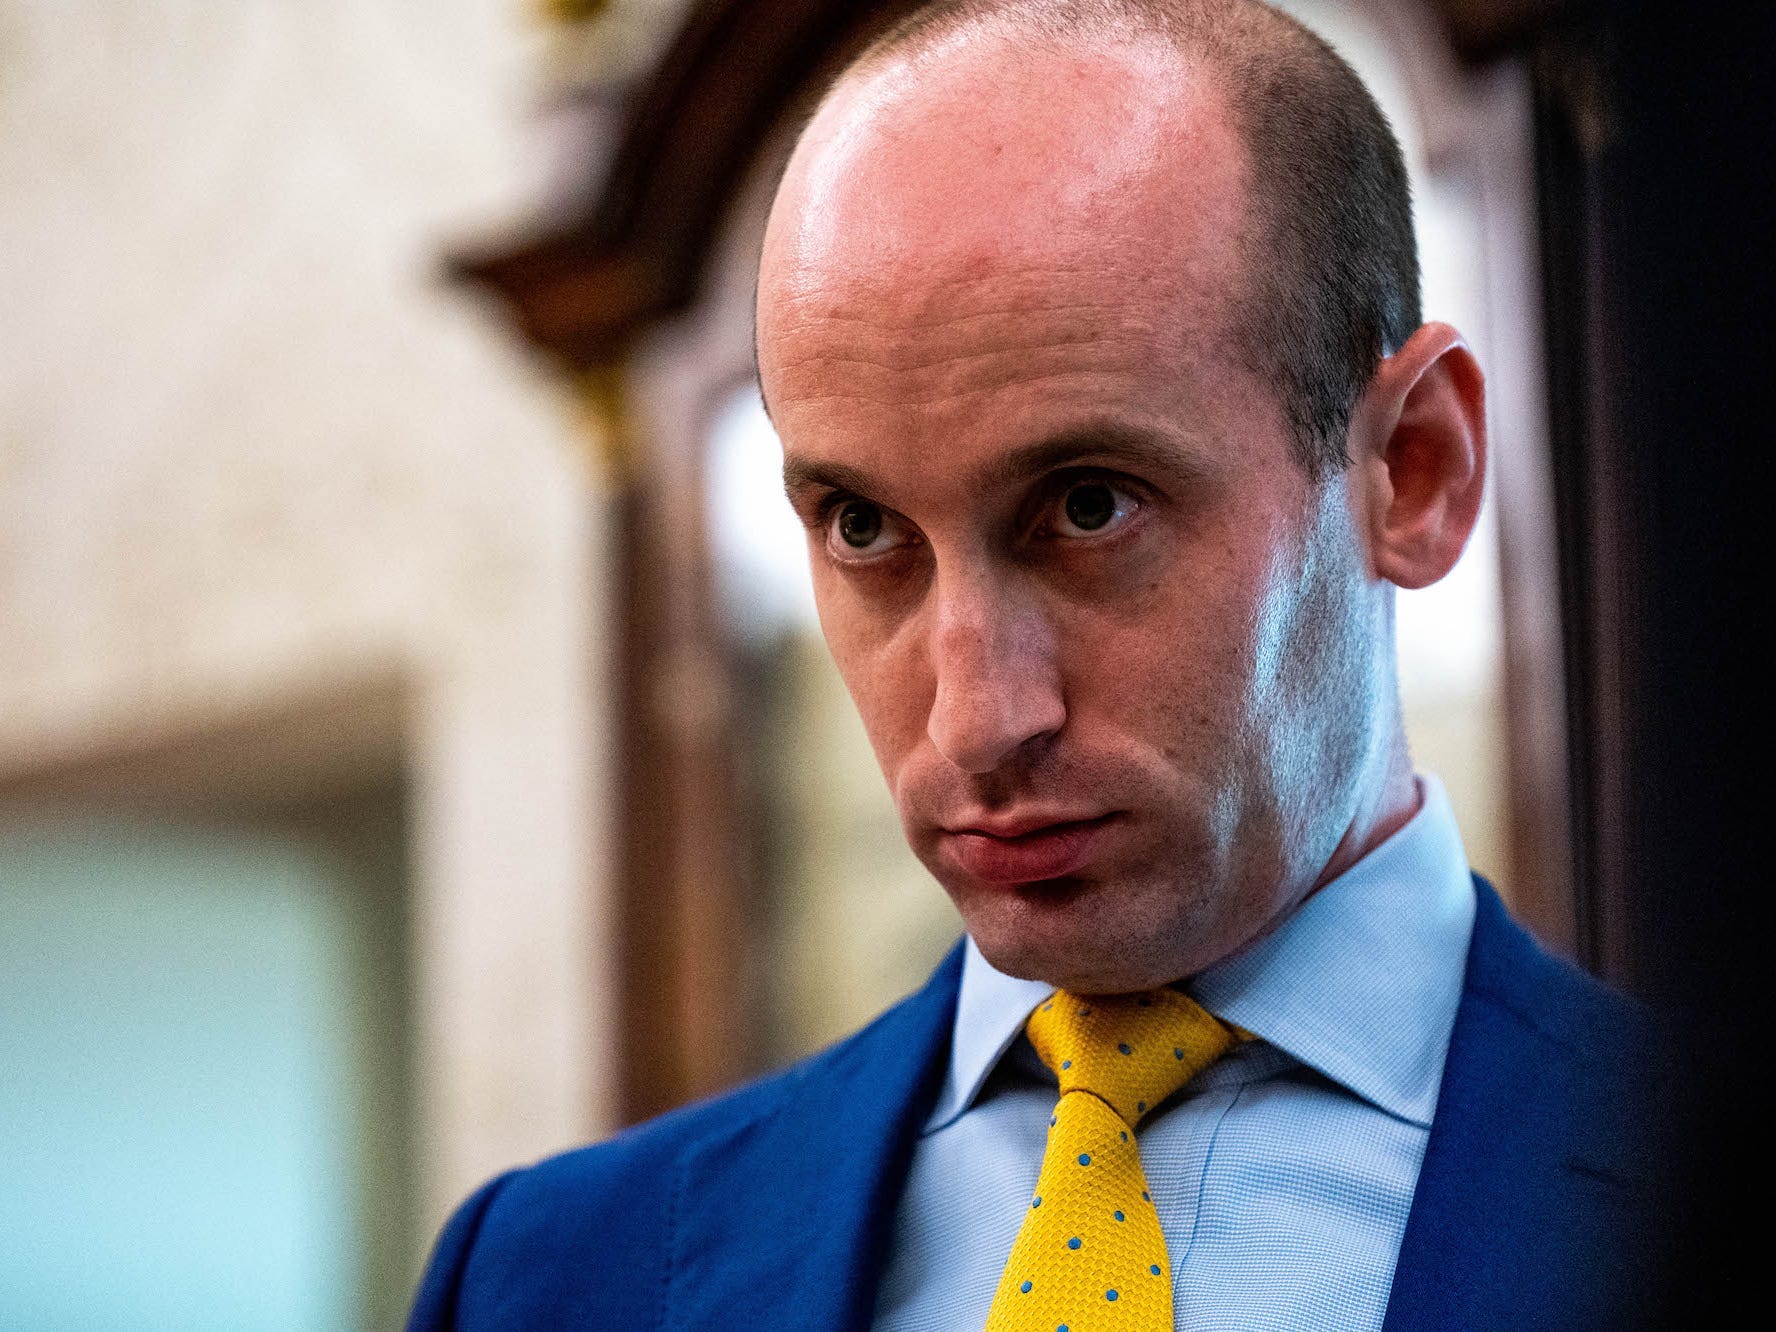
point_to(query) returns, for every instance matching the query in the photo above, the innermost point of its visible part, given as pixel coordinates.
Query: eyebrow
(1107, 443)
(801, 475)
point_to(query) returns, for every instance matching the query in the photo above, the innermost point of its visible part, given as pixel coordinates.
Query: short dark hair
(1331, 259)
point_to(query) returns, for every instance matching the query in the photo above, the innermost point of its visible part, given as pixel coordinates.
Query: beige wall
(252, 450)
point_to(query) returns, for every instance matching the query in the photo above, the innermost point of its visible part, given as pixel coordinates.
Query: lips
(1027, 852)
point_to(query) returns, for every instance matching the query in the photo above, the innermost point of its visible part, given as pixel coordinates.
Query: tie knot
(1129, 1050)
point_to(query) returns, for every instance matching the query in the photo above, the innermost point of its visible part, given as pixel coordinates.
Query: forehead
(993, 215)
(988, 142)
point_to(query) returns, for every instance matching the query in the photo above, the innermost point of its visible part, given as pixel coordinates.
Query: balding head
(1072, 208)
(1330, 281)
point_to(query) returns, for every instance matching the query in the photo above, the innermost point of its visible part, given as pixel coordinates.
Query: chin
(1060, 932)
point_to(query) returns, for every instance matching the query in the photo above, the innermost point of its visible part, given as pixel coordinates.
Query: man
(1091, 331)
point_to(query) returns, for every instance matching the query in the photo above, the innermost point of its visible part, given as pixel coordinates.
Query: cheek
(881, 665)
(1182, 651)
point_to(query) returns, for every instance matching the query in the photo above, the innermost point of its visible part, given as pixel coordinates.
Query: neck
(1392, 799)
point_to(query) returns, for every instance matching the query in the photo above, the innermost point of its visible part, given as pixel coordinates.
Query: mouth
(1015, 852)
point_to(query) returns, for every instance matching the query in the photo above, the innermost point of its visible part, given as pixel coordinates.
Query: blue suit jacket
(770, 1207)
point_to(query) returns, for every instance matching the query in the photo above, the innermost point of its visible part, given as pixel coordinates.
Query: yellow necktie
(1090, 1254)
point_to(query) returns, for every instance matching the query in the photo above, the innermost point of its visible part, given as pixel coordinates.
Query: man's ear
(1420, 440)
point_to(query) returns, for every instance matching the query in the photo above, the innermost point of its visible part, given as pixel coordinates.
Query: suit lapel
(783, 1221)
(1520, 1188)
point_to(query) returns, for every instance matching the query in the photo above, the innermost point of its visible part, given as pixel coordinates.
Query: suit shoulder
(633, 1169)
(516, 1253)
(1616, 1060)
(581, 1238)
(1549, 994)
(638, 1153)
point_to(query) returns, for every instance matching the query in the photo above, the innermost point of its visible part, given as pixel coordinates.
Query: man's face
(1114, 651)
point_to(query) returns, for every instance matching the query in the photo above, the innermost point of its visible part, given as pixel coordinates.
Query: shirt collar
(1361, 982)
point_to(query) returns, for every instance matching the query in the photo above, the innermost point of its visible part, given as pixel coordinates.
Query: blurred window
(201, 1088)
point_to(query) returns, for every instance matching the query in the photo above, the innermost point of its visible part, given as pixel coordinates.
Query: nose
(998, 685)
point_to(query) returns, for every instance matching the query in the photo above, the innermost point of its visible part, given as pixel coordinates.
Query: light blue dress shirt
(1283, 1174)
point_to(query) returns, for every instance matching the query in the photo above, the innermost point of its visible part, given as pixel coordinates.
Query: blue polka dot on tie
(1110, 1295)
(1025, 1287)
(1145, 1196)
(1066, 1064)
(1120, 1217)
(1122, 1046)
(1154, 1269)
(1036, 1201)
(1177, 1053)
(1075, 1242)
(1061, 1328)
(1125, 1135)
(1085, 1012)
(1085, 1158)
(1140, 1107)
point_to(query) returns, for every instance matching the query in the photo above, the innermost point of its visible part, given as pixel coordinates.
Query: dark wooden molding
(635, 252)
(1654, 123)
(1571, 130)
(1650, 128)
(1481, 30)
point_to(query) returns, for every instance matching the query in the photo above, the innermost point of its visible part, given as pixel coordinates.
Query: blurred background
(417, 750)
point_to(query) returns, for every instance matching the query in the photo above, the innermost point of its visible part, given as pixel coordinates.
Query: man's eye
(859, 525)
(1089, 508)
(859, 528)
